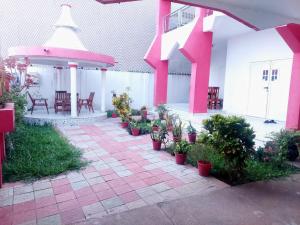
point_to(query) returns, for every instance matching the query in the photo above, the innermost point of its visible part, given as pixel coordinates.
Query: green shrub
(182, 147)
(232, 138)
(19, 101)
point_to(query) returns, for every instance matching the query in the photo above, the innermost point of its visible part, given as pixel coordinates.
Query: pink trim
(153, 54)
(248, 24)
(60, 53)
(291, 35)
(73, 65)
(197, 49)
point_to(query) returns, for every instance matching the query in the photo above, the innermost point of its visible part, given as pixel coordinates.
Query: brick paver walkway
(124, 173)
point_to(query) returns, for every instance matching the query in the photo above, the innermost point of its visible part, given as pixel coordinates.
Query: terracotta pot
(124, 124)
(204, 168)
(176, 139)
(135, 131)
(114, 115)
(192, 138)
(180, 158)
(155, 128)
(156, 145)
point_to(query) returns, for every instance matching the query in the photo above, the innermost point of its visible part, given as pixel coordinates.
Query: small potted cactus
(192, 133)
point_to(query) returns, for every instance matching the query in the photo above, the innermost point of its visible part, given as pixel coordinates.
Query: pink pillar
(197, 50)
(291, 35)
(154, 54)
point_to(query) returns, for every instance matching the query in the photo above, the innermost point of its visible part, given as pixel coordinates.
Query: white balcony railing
(179, 18)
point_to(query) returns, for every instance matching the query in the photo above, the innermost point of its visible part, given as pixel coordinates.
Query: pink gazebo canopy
(63, 46)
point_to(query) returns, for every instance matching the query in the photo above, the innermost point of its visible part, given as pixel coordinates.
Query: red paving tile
(116, 183)
(68, 205)
(144, 175)
(7, 219)
(106, 172)
(87, 200)
(138, 185)
(72, 216)
(23, 207)
(100, 187)
(46, 211)
(65, 197)
(129, 197)
(45, 201)
(7, 210)
(106, 194)
(152, 180)
(62, 189)
(23, 217)
(60, 182)
(110, 177)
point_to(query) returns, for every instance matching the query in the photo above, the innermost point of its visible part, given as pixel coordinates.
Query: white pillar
(73, 76)
(103, 85)
(58, 78)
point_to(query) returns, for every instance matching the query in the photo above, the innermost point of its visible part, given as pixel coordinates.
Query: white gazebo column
(58, 78)
(103, 85)
(73, 80)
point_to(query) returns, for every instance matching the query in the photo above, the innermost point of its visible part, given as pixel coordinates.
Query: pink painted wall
(291, 35)
(197, 49)
(153, 55)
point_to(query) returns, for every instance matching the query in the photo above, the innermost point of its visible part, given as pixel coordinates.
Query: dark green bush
(232, 138)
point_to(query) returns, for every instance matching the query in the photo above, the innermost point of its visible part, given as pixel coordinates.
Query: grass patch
(38, 151)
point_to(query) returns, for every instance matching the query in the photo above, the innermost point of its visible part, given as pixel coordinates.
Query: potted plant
(177, 129)
(124, 122)
(135, 129)
(156, 124)
(144, 112)
(161, 110)
(192, 133)
(169, 121)
(114, 114)
(204, 164)
(158, 137)
(181, 150)
(122, 104)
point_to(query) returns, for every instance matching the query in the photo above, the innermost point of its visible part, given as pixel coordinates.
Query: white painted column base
(103, 86)
(73, 80)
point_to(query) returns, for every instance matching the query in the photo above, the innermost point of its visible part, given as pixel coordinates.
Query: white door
(258, 89)
(269, 89)
(279, 89)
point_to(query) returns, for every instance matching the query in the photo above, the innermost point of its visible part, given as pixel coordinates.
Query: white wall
(241, 51)
(141, 85)
(218, 66)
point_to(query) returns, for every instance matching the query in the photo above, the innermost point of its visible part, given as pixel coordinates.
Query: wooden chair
(38, 102)
(214, 102)
(88, 103)
(60, 97)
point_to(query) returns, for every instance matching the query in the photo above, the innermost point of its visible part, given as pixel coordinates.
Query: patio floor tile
(62, 189)
(68, 205)
(50, 220)
(94, 208)
(129, 197)
(47, 211)
(106, 194)
(45, 201)
(23, 207)
(72, 216)
(65, 197)
(112, 202)
(23, 197)
(20, 218)
(87, 199)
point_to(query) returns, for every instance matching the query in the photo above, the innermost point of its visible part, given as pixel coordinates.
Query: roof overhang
(61, 56)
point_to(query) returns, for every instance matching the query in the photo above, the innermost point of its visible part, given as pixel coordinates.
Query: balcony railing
(179, 18)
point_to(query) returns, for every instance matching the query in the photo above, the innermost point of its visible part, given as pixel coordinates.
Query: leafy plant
(15, 96)
(122, 105)
(135, 112)
(134, 124)
(177, 127)
(233, 138)
(156, 123)
(283, 146)
(182, 147)
(191, 129)
(161, 110)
